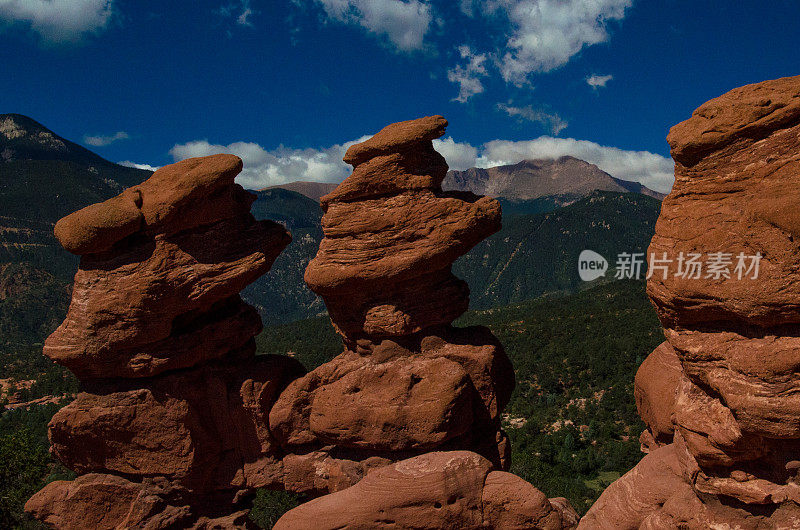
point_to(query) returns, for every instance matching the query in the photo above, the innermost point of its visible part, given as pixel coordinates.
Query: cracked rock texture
(720, 397)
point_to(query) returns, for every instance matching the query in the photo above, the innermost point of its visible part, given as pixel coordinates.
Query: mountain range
(560, 180)
(566, 177)
(44, 177)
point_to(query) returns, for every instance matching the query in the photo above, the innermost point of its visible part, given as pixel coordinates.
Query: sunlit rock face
(733, 395)
(408, 387)
(172, 426)
(450, 489)
(179, 422)
(407, 381)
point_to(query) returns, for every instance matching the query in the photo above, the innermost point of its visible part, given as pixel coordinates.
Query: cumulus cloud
(263, 168)
(468, 76)
(650, 169)
(459, 155)
(128, 163)
(553, 122)
(102, 141)
(597, 81)
(403, 22)
(546, 34)
(59, 21)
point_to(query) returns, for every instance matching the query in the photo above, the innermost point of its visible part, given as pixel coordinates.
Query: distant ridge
(567, 177)
(312, 190)
(565, 180)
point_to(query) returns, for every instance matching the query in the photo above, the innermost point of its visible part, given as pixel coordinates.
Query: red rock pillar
(733, 347)
(170, 428)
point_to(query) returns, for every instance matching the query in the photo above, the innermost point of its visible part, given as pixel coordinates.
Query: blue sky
(287, 85)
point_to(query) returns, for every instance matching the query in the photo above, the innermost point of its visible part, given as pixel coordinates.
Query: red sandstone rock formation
(171, 427)
(456, 489)
(407, 382)
(733, 396)
(179, 422)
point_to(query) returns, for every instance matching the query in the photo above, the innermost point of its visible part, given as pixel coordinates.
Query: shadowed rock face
(732, 395)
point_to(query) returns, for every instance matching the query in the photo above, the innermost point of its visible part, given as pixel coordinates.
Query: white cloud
(459, 156)
(404, 22)
(468, 76)
(59, 21)
(596, 81)
(650, 169)
(128, 163)
(264, 167)
(102, 141)
(546, 34)
(553, 122)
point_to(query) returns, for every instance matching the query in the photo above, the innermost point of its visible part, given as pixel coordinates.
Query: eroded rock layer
(721, 397)
(171, 429)
(179, 422)
(407, 382)
(402, 429)
(454, 489)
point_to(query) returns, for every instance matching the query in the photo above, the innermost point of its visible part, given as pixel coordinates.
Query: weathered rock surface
(171, 430)
(399, 398)
(407, 381)
(198, 428)
(437, 490)
(166, 295)
(656, 389)
(106, 502)
(179, 423)
(733, 326)
(391, 235)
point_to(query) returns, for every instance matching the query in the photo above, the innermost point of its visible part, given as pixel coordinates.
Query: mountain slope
(567, 177)
(281, 294)
(43, 177)
(538, 254)
(312, 190)
(535, 253)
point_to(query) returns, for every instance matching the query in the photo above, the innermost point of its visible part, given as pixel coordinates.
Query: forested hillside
(537, 254)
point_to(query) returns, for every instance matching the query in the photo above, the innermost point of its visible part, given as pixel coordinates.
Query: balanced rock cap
(161, 200)
(397, 137)
(751, 111)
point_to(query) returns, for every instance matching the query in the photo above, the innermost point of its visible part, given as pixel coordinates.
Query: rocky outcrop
(362, 425)
(456, 489)
(171, 428)
(733, 396)
(179, 422)
(407, 381)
